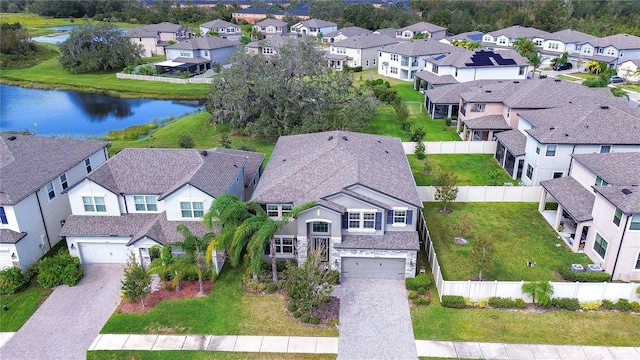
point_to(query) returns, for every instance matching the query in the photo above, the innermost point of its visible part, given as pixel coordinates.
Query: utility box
(594, 268)
(577, 268)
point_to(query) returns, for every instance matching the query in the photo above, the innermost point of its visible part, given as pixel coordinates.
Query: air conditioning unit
(594, 268)
(577, 267)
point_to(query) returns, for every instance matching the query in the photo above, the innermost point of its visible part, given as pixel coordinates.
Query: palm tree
(193, 246)
(166, 265)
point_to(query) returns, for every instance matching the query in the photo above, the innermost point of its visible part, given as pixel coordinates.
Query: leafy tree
(137, 281)
(294, 92)
(467, 44)
(463, 226)
(419, 150)
(482, 253)
(524, 47)
(446, 189)
(185, 141)
(98, 48)
(163, 262)
(402, 111)
(225, 141)
(542, 290)
(308, 285)
(418, 134)
(194, 246)
(14, 39)
(561, 59)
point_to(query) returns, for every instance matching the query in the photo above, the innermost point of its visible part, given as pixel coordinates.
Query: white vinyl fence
(483, 290)
(199, 80)
(453, 147)
(487, 193)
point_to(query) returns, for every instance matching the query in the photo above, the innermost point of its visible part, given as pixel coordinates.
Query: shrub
(501, 303)
(146, 70)
(297, 314)
(272, 287)
(623, 305)
(292, 307)
(254, 284)
(332, 322)
(185, 141)
(568, 275)
(566, 303)
(608, 304)
(418, 134)
(481, 303)
(420, 281)
(12, 280)
(422, 290)
(419, 150)
(280, 284)
(413, 295)
(280, 266)
(314, 320)
(333, 277)
(422, 301)
(591, 305)
(453, 302)
(59, 269)
(635, 306)
(304, 319)
(520, 304)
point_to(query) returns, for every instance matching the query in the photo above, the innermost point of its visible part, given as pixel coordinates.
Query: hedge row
(569, 275)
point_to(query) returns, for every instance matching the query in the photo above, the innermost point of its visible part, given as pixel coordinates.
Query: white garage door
(373, 268)
(103, 253)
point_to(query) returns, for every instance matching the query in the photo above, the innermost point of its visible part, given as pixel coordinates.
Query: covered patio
(336, 62)
(484, 128)
(194, 66)
(510, 152)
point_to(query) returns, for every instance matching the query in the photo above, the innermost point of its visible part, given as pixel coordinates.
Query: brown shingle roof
(573, 197)
(29, 162)
(11, 237)
(218, 23)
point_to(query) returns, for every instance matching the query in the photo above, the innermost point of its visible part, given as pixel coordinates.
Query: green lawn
(228, 310)
(434, 322)
(198, 355)
(568, 78)
(21, 306)
(471, 169)
(635, 88)
(582, 75)
(520, 233)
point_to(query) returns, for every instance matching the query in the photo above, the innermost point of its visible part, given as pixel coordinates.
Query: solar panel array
(440, 57)
(483, 58)
(475, 37)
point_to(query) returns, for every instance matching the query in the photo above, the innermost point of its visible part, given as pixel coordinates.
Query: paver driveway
(70, 319)
(375, 322)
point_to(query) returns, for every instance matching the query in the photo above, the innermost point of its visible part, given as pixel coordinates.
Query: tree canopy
(293, 91)
(97, 48)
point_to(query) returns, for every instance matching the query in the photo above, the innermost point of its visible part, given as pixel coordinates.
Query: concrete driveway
(375, 322)
(70, 319)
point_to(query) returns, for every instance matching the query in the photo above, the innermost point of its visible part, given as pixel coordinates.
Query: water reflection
(100, 106)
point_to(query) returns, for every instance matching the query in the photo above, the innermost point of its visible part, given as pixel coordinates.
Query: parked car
(615, 79)
(563, 66)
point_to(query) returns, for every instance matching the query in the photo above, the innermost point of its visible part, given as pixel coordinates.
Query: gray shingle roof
(620, 41)
(11, 237)
(465, 58)
(573, 197)
(517, 31)
(349, 32)
(421, 48)
(203, 43)
(618, 168)
(450, 94)
(489, 122)
(152, 30)
(437, 79)
(570, 36)
(253, 164)
(586, 124)
(364, 198)
(391, 240)
(390, 32)
(473, 36)
(273, 22)
(365, 41)
(28, 162)
(625, 198)
(514, 141)
(309, 167)
(162, 171)
(218, 23)
(422, 26)
(317, 23)
(273, 41)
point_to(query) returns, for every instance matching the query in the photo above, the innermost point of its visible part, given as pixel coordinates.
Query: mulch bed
(327, 311)
(190, 289)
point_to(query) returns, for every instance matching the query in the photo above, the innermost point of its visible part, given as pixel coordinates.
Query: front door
(320, 244)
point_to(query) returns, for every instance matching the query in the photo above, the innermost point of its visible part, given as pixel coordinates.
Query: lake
(78, 114)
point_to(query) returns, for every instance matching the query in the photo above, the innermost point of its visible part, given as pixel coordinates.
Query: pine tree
(137, 282)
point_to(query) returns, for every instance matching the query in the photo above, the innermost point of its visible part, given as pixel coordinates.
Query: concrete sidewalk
(324, 345)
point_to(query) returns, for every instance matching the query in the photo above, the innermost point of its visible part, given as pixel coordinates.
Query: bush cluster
(272, 287)
(608, 304)
(635, 306)
(568, 275)
(501, 303)
(422, 301)
(520, 304)
(12, 280)
(421, 281)
(623, 305)
(571, 304)
(59, 269)
(453, 302)
(591, 305)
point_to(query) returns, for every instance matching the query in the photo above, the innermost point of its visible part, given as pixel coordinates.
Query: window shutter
(409, 216)
(267, 249)
(378, 221)
(389, 216)
(345, 220)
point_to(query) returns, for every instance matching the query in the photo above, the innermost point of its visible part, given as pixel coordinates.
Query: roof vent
(488, 91)
(235, 166)
(345, 138)
(11, 138)
(283, 160)
(386, 152)
(516, 82)
(379, 142)
(604, 107)
(330, 138)
(626, 191)
(565, 134)
(552, 128)
(557, 80)
(204, 153)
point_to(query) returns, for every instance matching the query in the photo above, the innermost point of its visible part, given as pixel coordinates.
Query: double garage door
(373, 268)
(92, 253)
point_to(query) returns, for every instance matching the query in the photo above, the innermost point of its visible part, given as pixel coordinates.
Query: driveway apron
(375, 322)
(69, 320)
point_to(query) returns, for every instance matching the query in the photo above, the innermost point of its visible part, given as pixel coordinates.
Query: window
(637, 267)
(354, 220)
(94, 204)
(502, 41)
(341, 50)
(51, 191)
(278, 210)
(284, 245)
(487, 39)
(635, 222)
(479, 107)
(286, 209)
(267, 50)
(538, 42)
(605, 149)
(394, 57)
(367, 62)
(369, 220)
(522, 70)
(617, 216)
(145, 203)
(320, 227)
(185, 53)
(358, 51)
(611, 52)
(374, 61)
(578, 47)
(87, 165)
(538, 149)
(434, 68)
(394, 70)
(529, 171)
(192, 209)
(600, 246)
(557, 174)
(272, 210)
(3, 216)
(362, 220)
(64, 184)
(508, 113)
(600, 182)
(553, 46)
(551, 150)
(399, 216)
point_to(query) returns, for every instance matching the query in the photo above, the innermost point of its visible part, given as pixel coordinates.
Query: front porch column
(577, 237)
(543, 200)
(302, 245)
(556, 222)
(450, 111)
(490, 136)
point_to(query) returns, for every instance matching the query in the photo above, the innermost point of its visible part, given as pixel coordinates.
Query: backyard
(520, 235)
(471, 169)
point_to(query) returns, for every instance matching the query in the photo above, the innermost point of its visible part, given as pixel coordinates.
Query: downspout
(124, 199)
(624, 231)
(571, 158)
(43, 222)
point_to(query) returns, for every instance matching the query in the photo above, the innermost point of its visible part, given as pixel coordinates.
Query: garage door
(103, 253)
(373, 268)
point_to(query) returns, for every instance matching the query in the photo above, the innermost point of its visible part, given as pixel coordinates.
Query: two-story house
(313, 27)
(197, 55)
(154, 38)
(221, 28)
(505, 38)
(268, 46)
(138, 198)
(425, 29)
(271, 27)
(404, 59)
(599, 210)
(34, 173)
(366, 207)
(467, 65)
(578, 45)
(616, 49)
(358, 51)
(344, 33)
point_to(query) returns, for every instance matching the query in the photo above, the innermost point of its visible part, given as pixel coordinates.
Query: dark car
(563, 66)
(615, 80)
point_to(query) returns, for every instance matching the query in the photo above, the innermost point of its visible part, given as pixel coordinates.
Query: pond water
(78, 114)
(55, 38)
